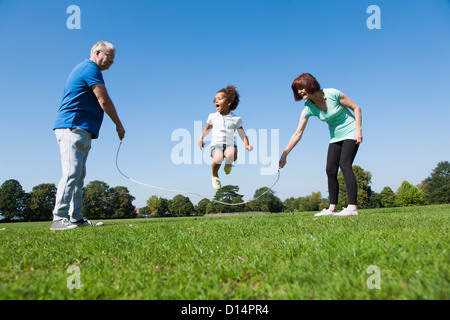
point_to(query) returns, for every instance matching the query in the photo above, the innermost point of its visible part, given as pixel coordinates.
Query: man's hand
(283, 161)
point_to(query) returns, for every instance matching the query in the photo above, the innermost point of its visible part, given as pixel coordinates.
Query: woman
(331, 106)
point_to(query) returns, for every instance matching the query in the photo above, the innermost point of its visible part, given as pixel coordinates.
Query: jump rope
(190, 192)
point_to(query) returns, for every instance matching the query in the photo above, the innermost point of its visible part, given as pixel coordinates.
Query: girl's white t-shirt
(223, 128)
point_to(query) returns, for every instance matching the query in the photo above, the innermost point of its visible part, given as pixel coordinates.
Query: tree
(215, 207)
(387, 198)
(315, 200)
(408, 195)
(374, 200)
(363, 181)
(256, 205)
(42, 202)
(436, 188)
(163, 209)
(238, 206)
(96, 200)
(153, 204)
(268, 202)
(157, 206)
(290, 204)
(13, 200)
(226, 194)
(201, 206)
(121, 205)
(181, 206)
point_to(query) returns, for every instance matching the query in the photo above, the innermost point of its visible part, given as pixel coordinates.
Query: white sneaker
(346, 212)
(216, 183)
(324, 212)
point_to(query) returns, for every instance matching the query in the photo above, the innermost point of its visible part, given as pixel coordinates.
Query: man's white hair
(100, 46)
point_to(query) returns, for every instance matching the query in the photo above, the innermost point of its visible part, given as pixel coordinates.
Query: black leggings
(341, 155)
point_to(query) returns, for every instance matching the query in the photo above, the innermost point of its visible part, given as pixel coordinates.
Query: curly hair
(304, 81)
(232, 95)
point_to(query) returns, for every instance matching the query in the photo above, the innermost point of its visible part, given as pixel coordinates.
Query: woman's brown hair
(304, 81)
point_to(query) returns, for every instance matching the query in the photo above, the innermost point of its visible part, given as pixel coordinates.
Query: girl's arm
(244, 138)
(294, 139)
(205, 132)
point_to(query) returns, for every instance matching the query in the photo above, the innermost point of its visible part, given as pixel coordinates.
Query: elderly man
(77, 122)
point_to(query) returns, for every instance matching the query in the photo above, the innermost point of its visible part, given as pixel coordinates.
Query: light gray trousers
(74, 145)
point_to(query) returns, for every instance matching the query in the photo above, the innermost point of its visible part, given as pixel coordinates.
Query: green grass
(277, 256)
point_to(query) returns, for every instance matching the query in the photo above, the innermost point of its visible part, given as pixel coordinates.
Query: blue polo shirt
(79, 106)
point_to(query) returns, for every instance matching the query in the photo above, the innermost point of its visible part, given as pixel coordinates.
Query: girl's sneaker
(325, 212)
(227, 168)
(216, 183)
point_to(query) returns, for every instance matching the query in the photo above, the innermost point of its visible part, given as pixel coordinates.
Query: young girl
(223, 124)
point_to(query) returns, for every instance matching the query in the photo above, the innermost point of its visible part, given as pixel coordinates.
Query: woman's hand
(358, 137)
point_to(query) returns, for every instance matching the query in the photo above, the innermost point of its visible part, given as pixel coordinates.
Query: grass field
(265, 257)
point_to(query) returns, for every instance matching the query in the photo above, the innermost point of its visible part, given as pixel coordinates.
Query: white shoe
(324, 212)
(346, 212)
(216, 183)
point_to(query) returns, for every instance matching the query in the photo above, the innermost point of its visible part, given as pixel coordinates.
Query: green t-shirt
(340, 121)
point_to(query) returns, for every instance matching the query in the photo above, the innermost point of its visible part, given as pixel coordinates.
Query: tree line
(100, 201)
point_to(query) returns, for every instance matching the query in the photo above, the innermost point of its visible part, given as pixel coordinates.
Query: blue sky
(173, 56)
